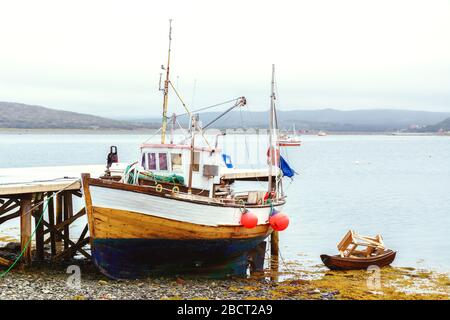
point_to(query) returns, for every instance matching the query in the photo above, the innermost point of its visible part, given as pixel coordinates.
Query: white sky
(104, 57)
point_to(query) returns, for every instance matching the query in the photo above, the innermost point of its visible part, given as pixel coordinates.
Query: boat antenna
(166, 89)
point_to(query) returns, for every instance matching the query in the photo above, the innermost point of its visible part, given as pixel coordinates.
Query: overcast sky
(104, 57)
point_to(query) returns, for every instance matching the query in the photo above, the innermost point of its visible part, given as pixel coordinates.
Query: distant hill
(443, 125)
(328, 119)
(18, 115)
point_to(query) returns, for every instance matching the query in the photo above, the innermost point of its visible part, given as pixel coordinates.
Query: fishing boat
(173, 211)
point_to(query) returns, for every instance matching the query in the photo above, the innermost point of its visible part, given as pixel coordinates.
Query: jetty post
(25, 227)
(274, 252)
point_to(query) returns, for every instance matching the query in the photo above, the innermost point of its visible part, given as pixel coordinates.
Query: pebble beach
(44, 282)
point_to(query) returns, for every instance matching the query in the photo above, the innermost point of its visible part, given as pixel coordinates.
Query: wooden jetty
(24, 193)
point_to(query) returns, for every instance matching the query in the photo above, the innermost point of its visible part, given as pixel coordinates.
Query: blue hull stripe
(136, 258)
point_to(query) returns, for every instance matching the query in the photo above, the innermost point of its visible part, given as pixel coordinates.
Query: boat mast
(191, 164)
(271, 126)
(166, 90)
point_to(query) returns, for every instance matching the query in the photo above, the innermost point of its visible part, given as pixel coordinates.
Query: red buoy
(278, 220)
(249, 219)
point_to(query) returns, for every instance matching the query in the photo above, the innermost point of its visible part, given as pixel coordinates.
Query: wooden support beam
(69, 221)
(25, 228)
(59, 213)
(71, 243)
(82, 241)
(8, 206)
(77, 193)
(274, 244)
(274, 252)
(51, 221)
(39, 227)
(10, 216)
(4, 206)
(68, 213)
(5, 262)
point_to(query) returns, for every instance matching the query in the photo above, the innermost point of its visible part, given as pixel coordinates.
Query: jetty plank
(16, 181)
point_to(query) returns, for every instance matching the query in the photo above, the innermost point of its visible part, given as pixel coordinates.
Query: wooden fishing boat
(354, 263)
(173, 212)
(140, 230)
(350, 258)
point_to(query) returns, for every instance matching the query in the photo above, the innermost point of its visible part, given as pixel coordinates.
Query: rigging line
(247, 150)
(284, 263)
(209, 107)
(181, 100)
(153, 135)
(33, 181)
(186, 134)
(206, 140)
(224, 113)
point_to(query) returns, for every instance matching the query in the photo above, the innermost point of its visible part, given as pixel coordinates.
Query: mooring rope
(4, 273)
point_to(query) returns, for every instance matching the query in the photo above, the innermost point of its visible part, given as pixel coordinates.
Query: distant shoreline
(152, 131)
(76, 131)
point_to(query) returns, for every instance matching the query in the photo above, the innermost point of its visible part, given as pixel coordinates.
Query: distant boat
(287, 140)
(322, 133)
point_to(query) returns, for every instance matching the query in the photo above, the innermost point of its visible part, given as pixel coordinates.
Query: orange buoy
(278, 220)
(248, 219)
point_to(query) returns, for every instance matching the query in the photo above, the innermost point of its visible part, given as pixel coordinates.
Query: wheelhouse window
(162, 161)
(196, 164)
(151, 161)
(176, 161)
(143, 162)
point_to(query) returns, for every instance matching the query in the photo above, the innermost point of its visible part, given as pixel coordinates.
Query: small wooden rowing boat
(353, 263)
(350, 258)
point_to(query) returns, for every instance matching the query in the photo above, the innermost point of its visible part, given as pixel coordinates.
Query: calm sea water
(397, 186)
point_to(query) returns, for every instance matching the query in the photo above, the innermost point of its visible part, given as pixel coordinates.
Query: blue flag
(286, 169)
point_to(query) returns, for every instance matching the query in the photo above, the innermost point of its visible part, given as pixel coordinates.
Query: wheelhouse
(174, 159)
